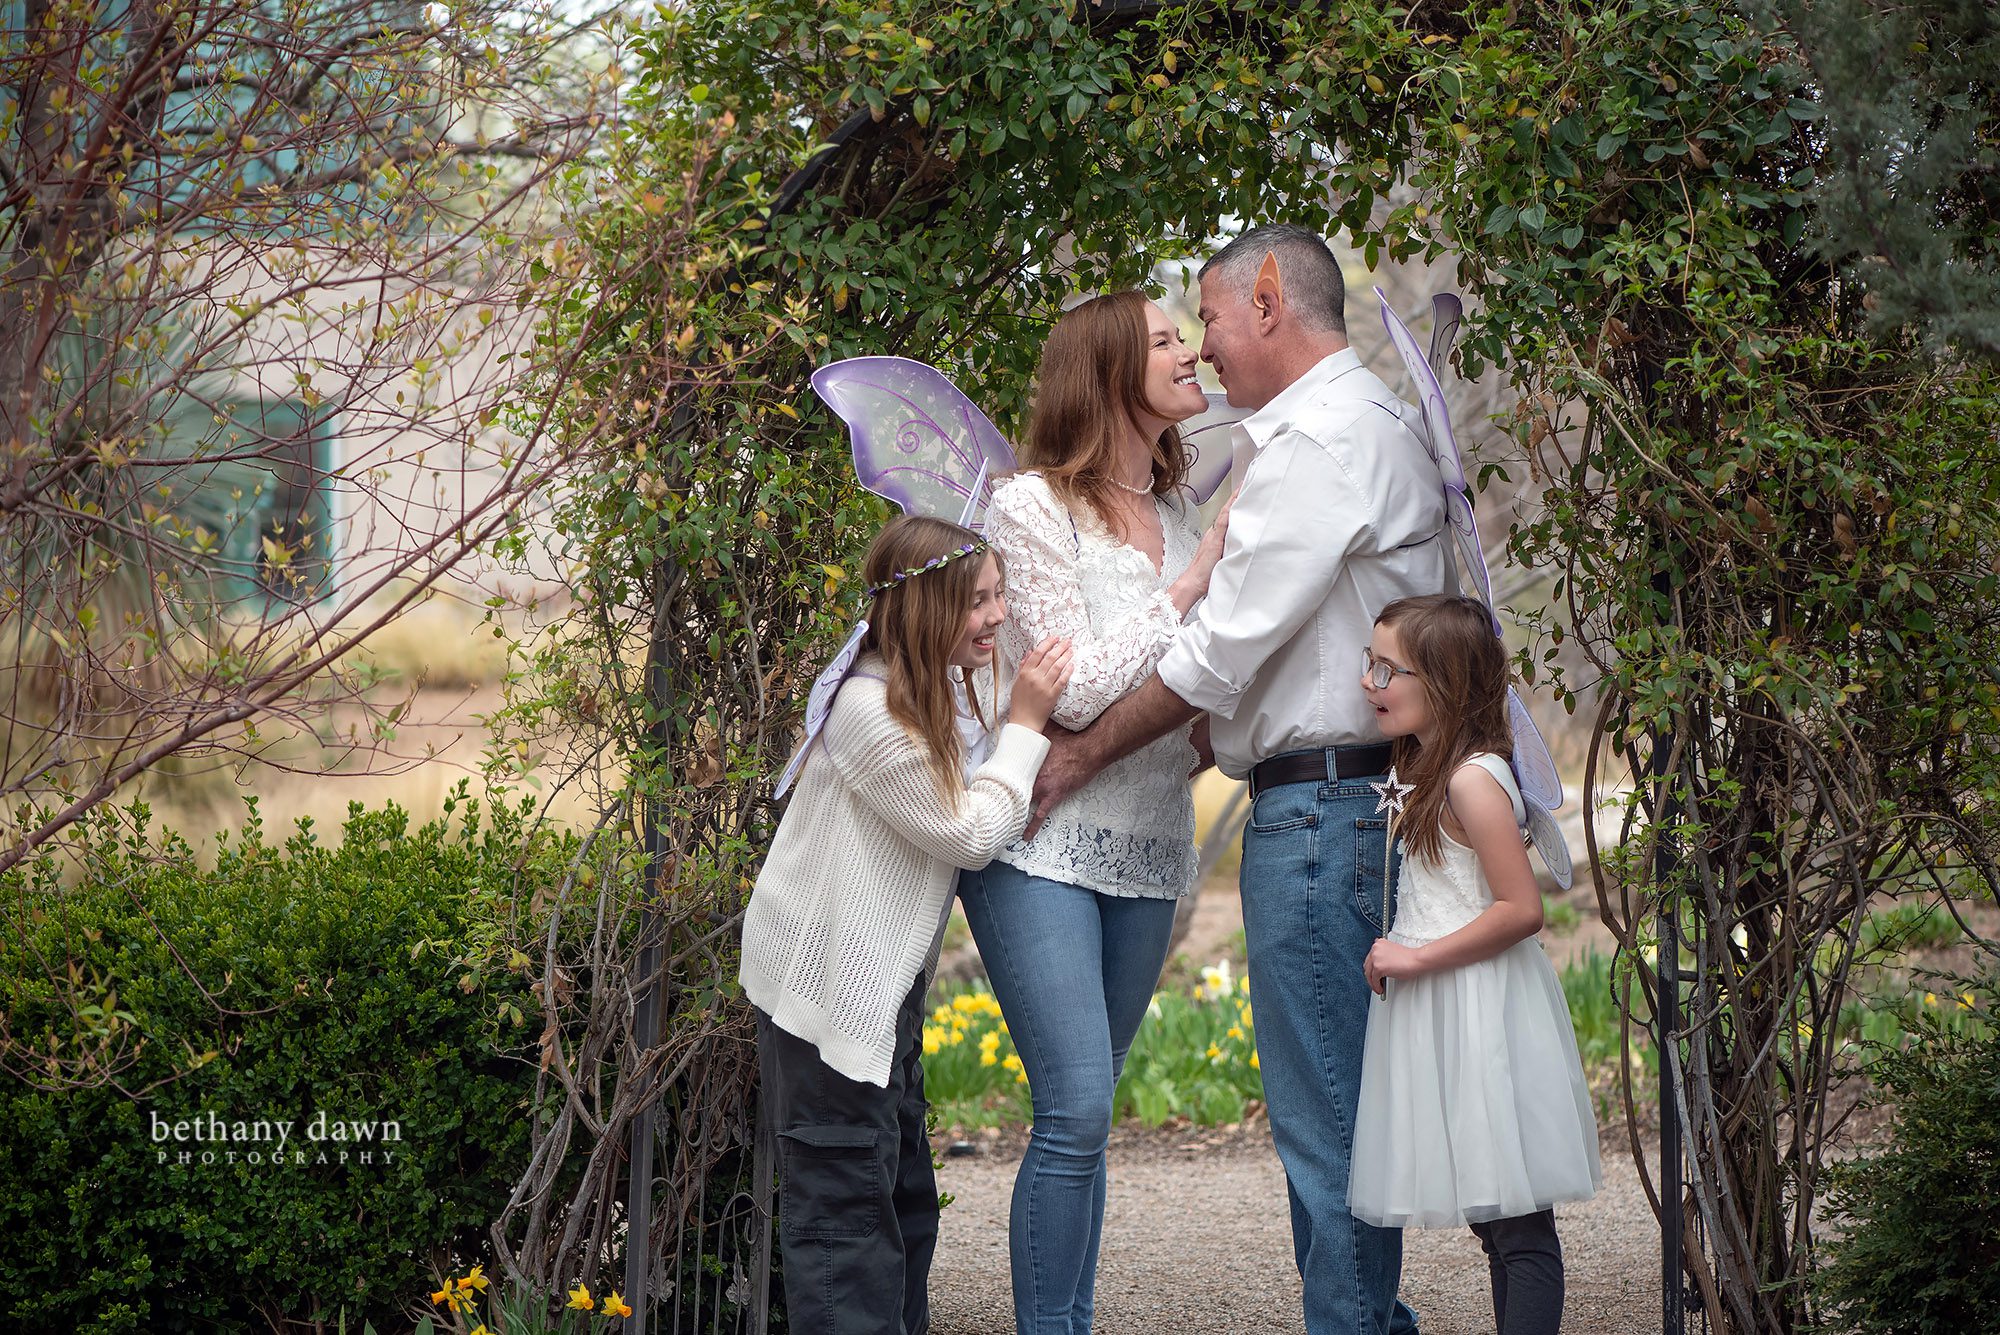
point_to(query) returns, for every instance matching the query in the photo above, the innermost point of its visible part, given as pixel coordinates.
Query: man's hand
(1068, 766)
(1074, 758)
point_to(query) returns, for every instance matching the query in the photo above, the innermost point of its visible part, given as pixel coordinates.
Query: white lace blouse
(1129, 831)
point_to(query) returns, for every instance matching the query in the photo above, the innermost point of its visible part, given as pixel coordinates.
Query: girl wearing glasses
(1473, 1104)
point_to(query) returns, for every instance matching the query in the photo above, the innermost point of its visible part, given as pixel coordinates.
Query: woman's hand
(1192, 586)
(1388, 960)
(1044, 673)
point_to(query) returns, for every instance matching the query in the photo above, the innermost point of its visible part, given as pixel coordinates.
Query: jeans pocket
(1371, 853)
(1291, 806)
(832, 1182)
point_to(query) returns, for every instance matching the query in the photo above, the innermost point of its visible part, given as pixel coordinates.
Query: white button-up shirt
(1340, 512)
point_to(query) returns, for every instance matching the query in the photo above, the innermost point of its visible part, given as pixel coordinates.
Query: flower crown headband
(877, 590)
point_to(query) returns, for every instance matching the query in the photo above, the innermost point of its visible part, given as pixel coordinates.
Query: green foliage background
(362, 982)
(1920, 1249)
(1769, 520)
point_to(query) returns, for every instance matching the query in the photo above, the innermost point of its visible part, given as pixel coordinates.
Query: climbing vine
(1768, 525)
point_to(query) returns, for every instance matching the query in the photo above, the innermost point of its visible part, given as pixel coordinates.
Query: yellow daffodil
(1234, 1033)
(1255, 1065)
(444, 1295)
(580, 1299)
(615, 1305)
(1965, 1001)
(480, 1329)
(475, 1278)
(1214, 1053)
(1930, 998)
(1013, 1062)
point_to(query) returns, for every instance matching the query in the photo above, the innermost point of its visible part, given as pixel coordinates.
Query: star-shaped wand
(1390, 794)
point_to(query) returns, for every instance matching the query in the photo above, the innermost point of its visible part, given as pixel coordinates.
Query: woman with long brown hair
(1102, 549)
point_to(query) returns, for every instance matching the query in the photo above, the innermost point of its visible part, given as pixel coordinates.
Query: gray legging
(1526, 1262)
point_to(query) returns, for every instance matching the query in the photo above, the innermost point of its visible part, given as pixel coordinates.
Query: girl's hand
(1388, 960)
(1044, 673)
(1192, 586)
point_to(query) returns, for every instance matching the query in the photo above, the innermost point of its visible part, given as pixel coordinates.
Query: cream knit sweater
(847, 906)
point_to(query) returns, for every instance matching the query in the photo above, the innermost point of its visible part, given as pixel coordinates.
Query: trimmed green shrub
(1921, 1250)
(324, 987)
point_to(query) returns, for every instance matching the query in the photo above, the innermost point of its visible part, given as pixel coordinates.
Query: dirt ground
(1197, 1232)
(1197, 1238)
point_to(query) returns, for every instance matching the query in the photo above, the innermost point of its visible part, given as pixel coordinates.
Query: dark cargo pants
(857, 1204)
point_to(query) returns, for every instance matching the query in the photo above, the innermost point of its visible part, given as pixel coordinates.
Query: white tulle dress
(1473, 1103)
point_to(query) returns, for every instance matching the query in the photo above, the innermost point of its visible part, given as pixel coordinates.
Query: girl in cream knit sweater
(904, 787)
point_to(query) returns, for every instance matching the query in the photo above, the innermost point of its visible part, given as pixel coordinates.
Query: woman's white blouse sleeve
(1048, 594)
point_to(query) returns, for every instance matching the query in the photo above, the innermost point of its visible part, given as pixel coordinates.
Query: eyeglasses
(1377, 673)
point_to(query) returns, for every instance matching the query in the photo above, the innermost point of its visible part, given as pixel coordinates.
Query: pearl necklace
(1136, 491)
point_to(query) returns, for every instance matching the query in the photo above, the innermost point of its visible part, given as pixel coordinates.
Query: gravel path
(1197, 1238)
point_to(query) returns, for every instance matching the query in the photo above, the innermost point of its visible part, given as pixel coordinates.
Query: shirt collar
(1276, 416)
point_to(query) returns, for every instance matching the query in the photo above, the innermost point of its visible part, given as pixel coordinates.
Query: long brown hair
(1090, 387)
(1462, 667)
(915, 622)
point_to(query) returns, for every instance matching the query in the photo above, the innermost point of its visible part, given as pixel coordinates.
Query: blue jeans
(1312, 906)
(1073, 972)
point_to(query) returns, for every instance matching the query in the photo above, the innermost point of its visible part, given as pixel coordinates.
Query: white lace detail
(1131, 830)
(1435, 899)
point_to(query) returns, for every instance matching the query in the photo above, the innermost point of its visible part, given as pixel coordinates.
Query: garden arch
(1722, 443)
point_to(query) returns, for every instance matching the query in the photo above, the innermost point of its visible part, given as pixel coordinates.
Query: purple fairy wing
(1547, 837)
(1447, 311)
(820, 702)
(1209, 438)
(1443, 448)
(1534, 768)
(919, 442)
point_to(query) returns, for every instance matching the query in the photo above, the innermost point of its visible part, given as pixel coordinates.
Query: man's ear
(1268, 296)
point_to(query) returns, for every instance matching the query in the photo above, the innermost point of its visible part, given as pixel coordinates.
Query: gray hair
(1314, 288)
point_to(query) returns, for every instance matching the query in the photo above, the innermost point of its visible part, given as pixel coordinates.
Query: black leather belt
(1319, 765)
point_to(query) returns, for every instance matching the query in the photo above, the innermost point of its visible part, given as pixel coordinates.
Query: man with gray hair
(1339, 512)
